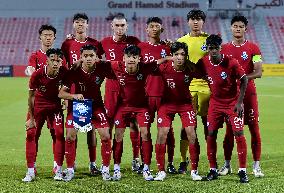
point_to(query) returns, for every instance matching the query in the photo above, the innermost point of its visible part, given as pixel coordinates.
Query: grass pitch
(13, 108)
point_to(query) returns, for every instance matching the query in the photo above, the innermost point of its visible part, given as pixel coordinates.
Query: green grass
(13, 108)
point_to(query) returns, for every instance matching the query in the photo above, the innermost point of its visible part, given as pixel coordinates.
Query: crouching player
(44, 105)
(177, 100)
(226, 101)
(87, 80)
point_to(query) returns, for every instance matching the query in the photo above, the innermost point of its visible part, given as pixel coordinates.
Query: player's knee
(238, 133)
(31, 135)
(119, 134)
(145, 134)
(213, 133)
(105, 135)
(183, 134)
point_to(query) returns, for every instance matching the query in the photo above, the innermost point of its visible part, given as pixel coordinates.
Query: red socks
(160, 156)
(106, 152)
(242, 151)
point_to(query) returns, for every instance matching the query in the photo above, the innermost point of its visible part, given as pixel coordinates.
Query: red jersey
(71, 49)
(89, 84)
(37, 59)
(47, 88)
(114, 52)
(222, 79)
(150, 53)
(132, 86)
(177, 92)
(244, 54)
(114, 49)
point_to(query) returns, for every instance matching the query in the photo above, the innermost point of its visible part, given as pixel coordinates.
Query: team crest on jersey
(244, 56)
(186, 78)
(140, 77)
(98, 80)
(224, 75)
(42, 88)
(203, 47)
(160, 120)
(163, 53)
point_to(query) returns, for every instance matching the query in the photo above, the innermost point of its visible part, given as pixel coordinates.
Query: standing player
(44, 105)
(249, 56)
(151, 51)
(71, 50)
(132, 75)
(113, 47)
(87, 80)
(226, 101)
(177, 100)
(199, 89)
(47, 35)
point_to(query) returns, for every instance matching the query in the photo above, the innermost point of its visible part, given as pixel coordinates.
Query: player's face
(47, 38)
(238, 29)
(154, 29)
(54, 61)
(80, 26)
(179, 57)
(131, 62)
(119, 27)
(195, 23)
(89, 58)
(214, 51)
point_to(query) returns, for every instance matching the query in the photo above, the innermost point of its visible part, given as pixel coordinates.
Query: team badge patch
(203, 47)
(163, 53)
(244, 55)
(186, 78)
(82, 115)
(98, 80)
(224, 75)
(139, 76)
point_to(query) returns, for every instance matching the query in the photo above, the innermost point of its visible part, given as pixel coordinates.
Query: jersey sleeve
(256, 54)
(64, 49)
(239, 71)
(100, 52)
(67, 78)
(33, 83)
(33, 60)
(199, 70)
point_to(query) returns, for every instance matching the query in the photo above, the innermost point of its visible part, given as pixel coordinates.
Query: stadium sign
(6, 71)
(155, 5)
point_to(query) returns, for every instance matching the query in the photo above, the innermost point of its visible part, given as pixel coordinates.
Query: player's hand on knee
(239, 109)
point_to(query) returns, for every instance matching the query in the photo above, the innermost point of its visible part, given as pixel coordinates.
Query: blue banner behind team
(82, 115)
(6, 71)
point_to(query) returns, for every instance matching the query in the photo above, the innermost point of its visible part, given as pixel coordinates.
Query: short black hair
(119, 16)
(240, 18)
(179, 45)
(80, 16)
(56, 51)
(196, 13)
(46, 27)
(132, 50)
(154, 20)
(88, 47)
(213, 39)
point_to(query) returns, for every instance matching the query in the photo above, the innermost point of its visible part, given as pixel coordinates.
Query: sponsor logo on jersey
(42, 88)
(140, 77)
(163, 53)
(224, 75)
(244, 56)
